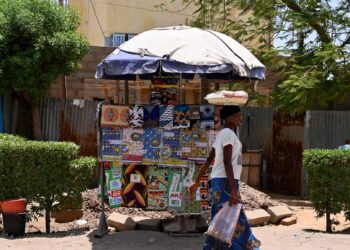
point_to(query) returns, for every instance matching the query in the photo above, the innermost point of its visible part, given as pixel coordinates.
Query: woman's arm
(194, 185)
(229, 173)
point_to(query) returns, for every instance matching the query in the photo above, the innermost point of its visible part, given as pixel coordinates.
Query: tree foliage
(316, 43)
(38, 42)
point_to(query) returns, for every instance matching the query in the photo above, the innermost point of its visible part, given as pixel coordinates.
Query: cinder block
(121, 222)
(278, 213)
(146, 223)
(67, 215)
(289, 221)
(258, 217)
(202, 224)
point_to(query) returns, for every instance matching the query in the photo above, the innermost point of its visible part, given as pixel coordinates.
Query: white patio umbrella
(181, 49)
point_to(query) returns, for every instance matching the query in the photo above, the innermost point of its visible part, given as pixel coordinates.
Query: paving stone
(278, 213)
(146, 223)
(121, 222)
(289, 221)
(258, 217)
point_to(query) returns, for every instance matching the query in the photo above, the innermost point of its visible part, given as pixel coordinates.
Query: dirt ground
(308, 233)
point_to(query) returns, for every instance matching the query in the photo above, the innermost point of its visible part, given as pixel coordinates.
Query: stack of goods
(225, 97)
(164, 90)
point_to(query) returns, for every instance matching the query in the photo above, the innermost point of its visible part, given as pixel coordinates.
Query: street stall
(150, 151)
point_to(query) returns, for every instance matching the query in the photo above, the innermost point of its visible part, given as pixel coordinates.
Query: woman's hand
(193, 187)
(234, 199)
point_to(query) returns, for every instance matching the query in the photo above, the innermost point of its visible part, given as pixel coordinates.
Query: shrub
(329, 182)
(43, 172)
(11, 138)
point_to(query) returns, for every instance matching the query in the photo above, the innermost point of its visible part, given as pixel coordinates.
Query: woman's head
(232, 115)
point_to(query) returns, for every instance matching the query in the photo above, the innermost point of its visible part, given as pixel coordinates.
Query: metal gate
(286, 174)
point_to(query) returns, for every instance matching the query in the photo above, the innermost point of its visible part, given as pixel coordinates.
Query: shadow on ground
(145, 240)
(344, 231)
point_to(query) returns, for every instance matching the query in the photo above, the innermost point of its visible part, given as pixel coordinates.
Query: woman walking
(226, 153)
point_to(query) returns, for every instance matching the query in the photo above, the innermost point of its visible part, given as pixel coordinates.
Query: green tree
(316, 37)
(38, 42)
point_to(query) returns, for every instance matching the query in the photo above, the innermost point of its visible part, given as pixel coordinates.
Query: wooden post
(126, 91)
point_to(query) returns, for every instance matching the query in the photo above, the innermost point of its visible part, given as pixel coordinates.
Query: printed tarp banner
(112, 142)
(133, 145)
(157, 188)
(134, 185)
(115, 115)
(194, 145)
(152, 146)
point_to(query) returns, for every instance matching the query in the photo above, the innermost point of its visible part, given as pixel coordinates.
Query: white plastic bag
(223, 225)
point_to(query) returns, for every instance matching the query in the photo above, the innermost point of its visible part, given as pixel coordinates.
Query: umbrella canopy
(181, 49)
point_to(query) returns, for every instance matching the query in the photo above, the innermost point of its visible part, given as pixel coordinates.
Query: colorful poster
(191, 204)
(203, 194)
(134, 185)
(157, 188)
(171, 150)
(181, 119)
(175, 189)
(207, 116)
(136, 116)
(194, 145)
(113, 183)
(152, 146)
(115, 115)
(151, 116)
(132, 145)
(166, 114)
(112, 142)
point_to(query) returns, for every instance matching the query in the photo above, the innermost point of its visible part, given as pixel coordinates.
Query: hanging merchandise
(194, 116)
(152, 146)
(157, 188)
(171, 151)
(115, 115)
(194, 145)
(217, 119)
(166, 114)
(175, 189)
(164, 90)
(112, 142)
(134, 185)
(157, 97)
(211, 138)
(181, 119)
(203, 190)
(207, 116)
(191, 203)
(114, 176)
(136, 116)
(151, 116)
(132, 145)
(109, 115)
(171, 95)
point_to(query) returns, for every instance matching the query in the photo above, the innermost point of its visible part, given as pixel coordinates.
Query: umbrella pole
(180, 90)
(102, 226)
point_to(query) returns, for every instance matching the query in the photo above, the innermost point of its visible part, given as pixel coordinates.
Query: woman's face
(235, 119)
